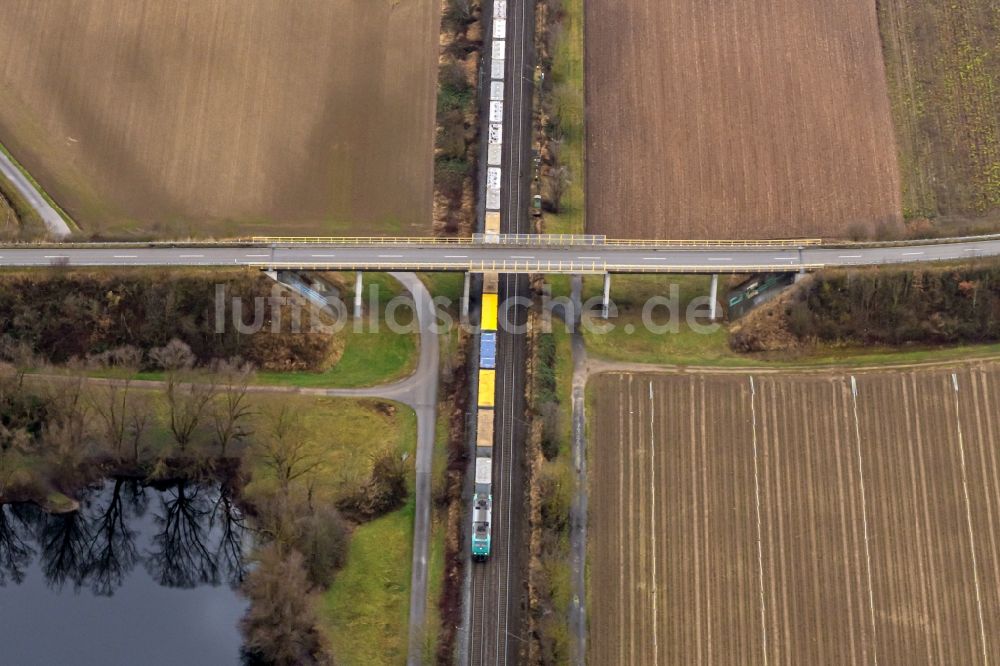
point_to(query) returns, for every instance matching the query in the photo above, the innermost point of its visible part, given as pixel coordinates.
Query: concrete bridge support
(713, 299)
(607, 296)
(465, 296)
(357, 295)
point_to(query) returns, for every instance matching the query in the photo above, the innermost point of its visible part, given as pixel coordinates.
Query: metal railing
(534, 266)
(362, 240)
(565, 240)
(789, 243)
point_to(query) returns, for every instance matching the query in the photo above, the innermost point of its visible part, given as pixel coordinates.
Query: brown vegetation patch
(929, 306)
(63, 314)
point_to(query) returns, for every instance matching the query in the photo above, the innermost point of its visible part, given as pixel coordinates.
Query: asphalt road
(556, 259)
(53, 221)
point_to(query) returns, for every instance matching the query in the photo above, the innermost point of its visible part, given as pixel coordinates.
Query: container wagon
(488, 350)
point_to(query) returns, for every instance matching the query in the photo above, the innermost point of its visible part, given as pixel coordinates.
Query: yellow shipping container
(489, 318)
(487, 387)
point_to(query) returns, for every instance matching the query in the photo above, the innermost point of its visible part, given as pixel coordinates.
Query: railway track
(496, 589)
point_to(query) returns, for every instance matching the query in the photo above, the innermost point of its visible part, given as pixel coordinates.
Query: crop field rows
(762, 119)
(225, 117)
(788, 520)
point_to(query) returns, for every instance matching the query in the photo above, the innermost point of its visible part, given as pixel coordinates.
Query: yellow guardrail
(533, 239)
(363, 240)
(566, 267)
(794, 242)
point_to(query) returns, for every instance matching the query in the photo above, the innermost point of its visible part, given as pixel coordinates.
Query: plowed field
(742, 119)
(225, 116)
(793, 521)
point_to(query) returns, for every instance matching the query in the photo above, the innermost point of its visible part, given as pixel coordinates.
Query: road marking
(760, 546)
(849, 256)
(258, 255)
(968, 520)
(56, 256)
(652, 517)
(518, 256)
(595, 258)
(785, 258)
(456, 256)
(125, 256)
(390, 256)
(911, 254)
(720, 258)
(864, 516)
(192, 256)
(654, 258)
(324, 255)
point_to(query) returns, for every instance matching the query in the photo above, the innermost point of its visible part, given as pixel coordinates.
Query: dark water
(137, 576)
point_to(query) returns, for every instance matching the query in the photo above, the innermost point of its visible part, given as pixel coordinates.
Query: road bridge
(516, 254)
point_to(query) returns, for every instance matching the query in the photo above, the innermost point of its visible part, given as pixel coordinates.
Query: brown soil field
(794, 522)
(943, 64)
(745, 119)
(225, 116)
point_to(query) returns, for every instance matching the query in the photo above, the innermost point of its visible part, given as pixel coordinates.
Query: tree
(384, 491)
(284, 448)
(280, 627)
(66, 434)
(110, 400)
(139, 418)
(189, 397)
(233, 409)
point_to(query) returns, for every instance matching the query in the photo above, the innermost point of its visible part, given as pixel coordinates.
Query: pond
(139, 575)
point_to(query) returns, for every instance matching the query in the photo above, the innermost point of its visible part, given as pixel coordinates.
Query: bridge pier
(713, 298)
(357, 294)
(465, 296)
(607, 296)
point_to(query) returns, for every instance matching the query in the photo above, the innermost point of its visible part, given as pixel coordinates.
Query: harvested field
(943, 64)
(741, 119)
(793, 522)
(225, 116)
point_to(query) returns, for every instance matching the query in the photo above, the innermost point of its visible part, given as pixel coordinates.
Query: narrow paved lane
(53, 221)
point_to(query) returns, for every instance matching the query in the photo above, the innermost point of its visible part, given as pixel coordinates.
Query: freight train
(482, 499)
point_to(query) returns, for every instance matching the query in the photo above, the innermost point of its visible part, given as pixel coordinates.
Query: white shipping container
(496, 70)
(499, 28)
(496, 90)
(500, 9)
(499, 49)
(493, 154)
(484, 470)
(496, 133)
(493, 178)
(493, 199)
(496, 112)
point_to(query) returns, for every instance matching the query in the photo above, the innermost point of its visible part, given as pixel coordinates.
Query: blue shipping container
(488, 350)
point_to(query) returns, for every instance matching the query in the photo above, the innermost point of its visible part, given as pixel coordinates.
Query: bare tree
(558, 184)
(138, 421)
(233, 408)
(189, 398)
(67, 429)
(280, 626)
(173, 356)
(284, 447)
(110, 400)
